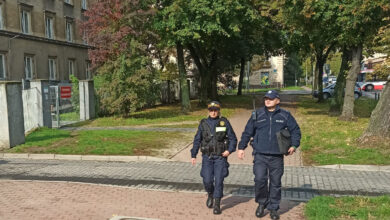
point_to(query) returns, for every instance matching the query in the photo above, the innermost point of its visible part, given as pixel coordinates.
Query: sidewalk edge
(81, 157)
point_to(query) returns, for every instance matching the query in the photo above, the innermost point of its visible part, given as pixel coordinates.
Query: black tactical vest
(214, 144)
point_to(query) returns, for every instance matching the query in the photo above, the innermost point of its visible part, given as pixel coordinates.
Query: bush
(129, 84)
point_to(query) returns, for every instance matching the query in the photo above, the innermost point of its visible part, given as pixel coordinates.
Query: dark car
(328, 91)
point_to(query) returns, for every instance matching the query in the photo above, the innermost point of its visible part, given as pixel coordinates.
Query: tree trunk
(337, 102)
(214, 87)
(203, 76)
(320, 66)
(349, 99)
(315, 80)
(185, 96)
(242, 71)
(380, 118)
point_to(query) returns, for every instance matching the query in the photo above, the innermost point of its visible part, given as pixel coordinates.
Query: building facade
(269, 75)
(42, 40)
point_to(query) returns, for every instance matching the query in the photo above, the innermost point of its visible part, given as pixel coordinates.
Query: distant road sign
(66, 92)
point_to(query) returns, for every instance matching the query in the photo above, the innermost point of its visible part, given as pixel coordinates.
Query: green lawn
(172, 113)
(70, 116)
(326, 140)
(261, 90)
(99, 142)
(327, 208)
(292, 88)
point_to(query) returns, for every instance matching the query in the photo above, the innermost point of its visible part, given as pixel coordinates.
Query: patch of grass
(364, 107)
(326, 140)
(194, 125)
(324, 208)
(173, 113)
(292, 88)
(70, 116)
(99, 142)
(40, 138)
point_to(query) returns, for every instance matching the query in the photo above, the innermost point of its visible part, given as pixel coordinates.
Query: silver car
(328, 91)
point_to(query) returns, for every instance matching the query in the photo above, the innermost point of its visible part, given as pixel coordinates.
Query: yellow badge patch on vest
(220, 129)
(222, 123)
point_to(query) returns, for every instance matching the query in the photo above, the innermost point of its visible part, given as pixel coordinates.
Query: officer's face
(213, 113)
(271, 103)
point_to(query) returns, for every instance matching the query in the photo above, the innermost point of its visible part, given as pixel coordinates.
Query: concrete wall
(87, 100)
(11, 115)
(30, 109)
(36, 106)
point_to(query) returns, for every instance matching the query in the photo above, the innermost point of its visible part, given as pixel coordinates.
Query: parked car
(370, 86)
(328, 91)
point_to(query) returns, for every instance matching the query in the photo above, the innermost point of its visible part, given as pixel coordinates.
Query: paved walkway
(65, 200)
(299, 183)
(60, 189)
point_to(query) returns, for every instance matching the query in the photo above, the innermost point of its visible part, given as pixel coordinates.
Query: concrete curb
(149, 158)
(357, 167)
(81, 157)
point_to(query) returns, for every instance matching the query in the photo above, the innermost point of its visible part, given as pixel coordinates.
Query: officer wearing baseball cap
(268, 159)
(216, 140)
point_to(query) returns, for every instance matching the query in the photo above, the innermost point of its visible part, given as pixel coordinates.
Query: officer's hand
(240, 154)
(226, 153)
(291, 151)
(193, 161)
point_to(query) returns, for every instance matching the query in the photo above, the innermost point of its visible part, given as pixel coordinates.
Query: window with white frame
(84, 4)
(29, 67)
(49, 26)
(1, 17)
(71, 67)
(88, 70)
(3, 69)
(25, 21)
(52, 69)
(69, 31)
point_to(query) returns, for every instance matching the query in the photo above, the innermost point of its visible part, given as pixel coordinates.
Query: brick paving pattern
(64, 200)
(299, 183)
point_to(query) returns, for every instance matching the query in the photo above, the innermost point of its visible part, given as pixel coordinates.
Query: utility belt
(214, 149)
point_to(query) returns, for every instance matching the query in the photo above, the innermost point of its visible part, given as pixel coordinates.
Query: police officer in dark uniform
(217, 140)
(268, 160)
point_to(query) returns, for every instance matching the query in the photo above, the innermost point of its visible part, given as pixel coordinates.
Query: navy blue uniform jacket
(264, 128)
(212, 123)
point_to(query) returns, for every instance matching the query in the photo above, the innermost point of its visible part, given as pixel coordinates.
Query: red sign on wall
(66, 92)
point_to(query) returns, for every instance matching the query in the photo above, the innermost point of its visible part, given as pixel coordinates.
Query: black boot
(217, 206)
(274, 215)
(209, 202)
(260, 211)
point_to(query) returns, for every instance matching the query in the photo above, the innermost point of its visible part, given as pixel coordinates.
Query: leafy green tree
(360, 20)
(122, 39)
(216, 34)
(311, 28)
(75, 93)
(381, 72)
(292, 69)
(129, 84)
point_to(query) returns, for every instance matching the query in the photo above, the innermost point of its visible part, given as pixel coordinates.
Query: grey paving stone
(300, 183)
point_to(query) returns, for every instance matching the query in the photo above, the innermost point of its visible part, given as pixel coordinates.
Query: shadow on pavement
(231, 201)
